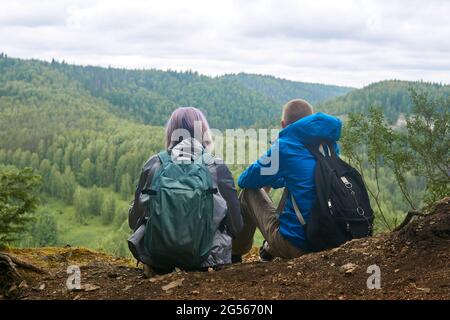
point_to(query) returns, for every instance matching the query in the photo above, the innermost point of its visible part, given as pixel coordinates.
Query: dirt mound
(414, 263)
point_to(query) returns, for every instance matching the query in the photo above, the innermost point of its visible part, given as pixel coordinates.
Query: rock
(210, 269)
(195, 292)
(41, 287)
(157, 278)
(127, 288)
(173, 284)
(348, 268)
(426, 290)
(219, 291)
(90, 287)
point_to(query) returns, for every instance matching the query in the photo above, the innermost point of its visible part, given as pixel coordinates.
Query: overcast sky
(341, 42)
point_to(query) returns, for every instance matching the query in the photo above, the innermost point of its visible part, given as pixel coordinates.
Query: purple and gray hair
(187, 122)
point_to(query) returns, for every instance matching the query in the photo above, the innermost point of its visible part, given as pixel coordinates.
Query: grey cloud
(347, 42)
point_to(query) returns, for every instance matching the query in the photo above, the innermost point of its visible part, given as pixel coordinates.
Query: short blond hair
(295, 110)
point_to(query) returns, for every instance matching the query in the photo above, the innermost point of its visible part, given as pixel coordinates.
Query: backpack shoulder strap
(294, 204)
(297, 211)
(208, 161)
(322, 150)
(165, 157)
(282, 202)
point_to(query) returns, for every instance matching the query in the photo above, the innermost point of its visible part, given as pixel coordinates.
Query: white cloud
(344, 42)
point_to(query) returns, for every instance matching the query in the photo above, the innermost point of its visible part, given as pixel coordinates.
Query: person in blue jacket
(286, 164)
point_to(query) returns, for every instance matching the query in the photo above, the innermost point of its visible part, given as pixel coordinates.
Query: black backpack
(342, 210)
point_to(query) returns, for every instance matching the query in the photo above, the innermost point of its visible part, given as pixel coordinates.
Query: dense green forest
(86, 131)
(150, 96)
(393, 97)
(281, 90)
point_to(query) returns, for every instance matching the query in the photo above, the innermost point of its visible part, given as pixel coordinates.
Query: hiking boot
(236, 258)
(264, 254)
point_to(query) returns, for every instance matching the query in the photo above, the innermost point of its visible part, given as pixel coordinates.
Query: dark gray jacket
(227, 215)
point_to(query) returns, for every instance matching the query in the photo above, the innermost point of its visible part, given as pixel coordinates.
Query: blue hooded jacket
(295, 169)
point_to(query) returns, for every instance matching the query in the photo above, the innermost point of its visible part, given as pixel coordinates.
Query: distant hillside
(393, 97)
(281, 90)
(150, 96)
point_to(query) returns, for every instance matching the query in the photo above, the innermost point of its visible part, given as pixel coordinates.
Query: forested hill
(281, 90)
(393, 97)
(149, 96)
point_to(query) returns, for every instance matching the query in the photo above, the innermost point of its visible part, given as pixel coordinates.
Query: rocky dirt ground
(414, 264)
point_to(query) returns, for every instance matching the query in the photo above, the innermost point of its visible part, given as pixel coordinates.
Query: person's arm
(253, 177)
(137, 209)
(279, 183)
(227, 189)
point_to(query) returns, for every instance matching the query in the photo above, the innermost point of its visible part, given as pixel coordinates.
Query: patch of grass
(72, 232)
(258, 239)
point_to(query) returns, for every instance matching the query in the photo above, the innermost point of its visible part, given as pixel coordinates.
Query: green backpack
(179, 229)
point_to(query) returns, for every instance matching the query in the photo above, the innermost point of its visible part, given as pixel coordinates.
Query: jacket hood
(314, 129)
(187, 150)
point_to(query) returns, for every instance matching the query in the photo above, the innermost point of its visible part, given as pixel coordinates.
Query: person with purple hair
(188, 136)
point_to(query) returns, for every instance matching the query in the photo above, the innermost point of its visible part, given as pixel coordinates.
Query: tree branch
(13, 262)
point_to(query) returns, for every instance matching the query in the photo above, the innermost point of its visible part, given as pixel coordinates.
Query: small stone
(289, 267)
(348, 268)
(396, 270)
(127, 288)
(210, 269)
(157, 278)
(41, 287)
(195, 292)
(77, 297)
(173, 284)
(426, 290)
(90, 287)
(219, 291)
